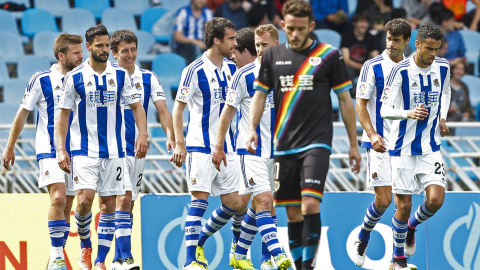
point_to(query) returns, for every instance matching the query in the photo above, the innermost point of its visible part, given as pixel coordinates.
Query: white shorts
(203, 176)
(50, 173)
(133, 175)
(100, 174)
(256, 174)
(379, 169)
(413, 174)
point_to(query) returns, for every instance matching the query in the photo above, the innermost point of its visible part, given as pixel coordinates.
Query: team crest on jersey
(194, 181)
(89, 84)
(251, 182)
(111, 82)
(436, 83)
(375, 176)
(75, 179)
(228, 77)
(47, 174)
(138, 86)
(314, 61)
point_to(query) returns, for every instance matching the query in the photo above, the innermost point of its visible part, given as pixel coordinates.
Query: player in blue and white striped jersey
(124, 48)
(203, 87)
(417, 97)
(44, 91)
(375, 137)
(94, 91)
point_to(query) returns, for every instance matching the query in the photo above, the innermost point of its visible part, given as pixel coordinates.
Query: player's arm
(180, 152)
(348, 117)
(476, 16)
(256, 111)
(166, 122)
(226, 118)
(62, 128)
(141, 144)
(178, 35)
(348, 61)
(8, 155)
(445, 103)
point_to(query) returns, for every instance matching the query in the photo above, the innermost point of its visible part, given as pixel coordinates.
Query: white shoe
(360, 254)
(194, 266)
(116, 265)
(130, 264)
(268, 265)
(410, 243)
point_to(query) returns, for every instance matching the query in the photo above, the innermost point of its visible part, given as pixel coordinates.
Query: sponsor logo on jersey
(283, 63)
(212, 80)
(414, 84)
(89, 84)
(57, 88)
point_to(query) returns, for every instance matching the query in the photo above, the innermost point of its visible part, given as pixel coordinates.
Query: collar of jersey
(385, 56)
(108, 70)
(416, 70)
(55, 71)
(137, 73)
(211, 67)
(311, 47)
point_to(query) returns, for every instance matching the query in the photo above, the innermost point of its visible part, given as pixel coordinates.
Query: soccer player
(417, 97)
(370, 86)
(94, 91)
(44, 91)
(203, 87)
(124, 48)
(257, 170)
(303, 71)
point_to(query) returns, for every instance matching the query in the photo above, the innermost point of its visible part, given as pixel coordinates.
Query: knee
(434, 204)
(263, 204)
(294, 214)
(58, 201)
(404, 206)
(382, 203)
(310, 205)
(85, 204)
(124, 202)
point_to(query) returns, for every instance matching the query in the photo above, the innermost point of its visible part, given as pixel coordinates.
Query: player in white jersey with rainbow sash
(94, 91)
(371, 83)
(203, 87)
(43, 91)
(417, 97)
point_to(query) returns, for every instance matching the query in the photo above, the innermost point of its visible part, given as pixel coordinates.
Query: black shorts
(301, 174)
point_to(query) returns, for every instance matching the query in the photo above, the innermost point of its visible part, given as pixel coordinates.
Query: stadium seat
(413, 37)
(136, 7)
(4, 76)
(110, 18)
(56, 7)
(472, 83)
(8, 24)
(30, 64)
(174, 5)
(328, 36)
(472, 46)
(149, 18)
(282, 36)
(95, 6)
(477, 112)
(10, 48)
(77, 21)
(145, 44)
(168, 67)
(352, 7)
(43, 44)
(13, 92)
(36, 20)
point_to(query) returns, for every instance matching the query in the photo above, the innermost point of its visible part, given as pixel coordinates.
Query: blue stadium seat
(43, 44)
(467, 131)
(36, 20)
(10, 48)
(95, 6)
(150, 17)
(397, 3)
(328, 36)
(77, 21)
(413, 37)
(4, 76)
(110, 18)
(56, 7)
(472, 83)
(30, 64)
(145, 44)
(282, 36)
(352, 7)
(472, 46)
(169, 67)
(477, 112)
(8, 24)
(8, 113)
(13, 92)
(137, 7)
(174, 5)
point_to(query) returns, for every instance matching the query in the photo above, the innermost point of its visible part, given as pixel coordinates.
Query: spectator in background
(456, 46)
(236, 11)
(358, 45)
(434, 12)
(213, 4)
(257, 16)
(416, 11)
(273, 15)
(459, 8)
(380, 13)
(331, 14)
(188, 33)
(460, 108)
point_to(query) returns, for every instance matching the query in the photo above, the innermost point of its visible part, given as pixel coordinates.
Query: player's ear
(312, 25)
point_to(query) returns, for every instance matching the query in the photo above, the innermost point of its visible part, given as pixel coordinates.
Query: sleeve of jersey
(446, 96)
(157, 89)
(264, 81)
(187, 85)
(32, 94)
(366, 82)
(67, 100)
(237, 91)
(129, 94)
(338, 74)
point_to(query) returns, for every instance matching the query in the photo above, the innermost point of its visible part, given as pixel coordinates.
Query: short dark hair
(398, 27)
(96, 30)
(298, 8)
(445, 15)
(361, 15)
(215, 28)
(60, 45)
(124, 35)
(429, 30)
(256, 15)
(399, 13)
(246, 40)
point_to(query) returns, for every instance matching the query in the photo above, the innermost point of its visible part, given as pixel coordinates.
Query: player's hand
(252, 142)
(179, 154)
(355, 158)
(418, 113)
(170, 145)
(443, 128)
(63, 160)
(378, 143)
(218, 157)
(8, 157)
(141, 146)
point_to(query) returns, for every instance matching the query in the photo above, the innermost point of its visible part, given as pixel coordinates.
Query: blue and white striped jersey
(240, 96)
(44, 91)
(148, 86)
(371, 82)
(96, 129)
(191, 26)
(407, 87)
(203, 87)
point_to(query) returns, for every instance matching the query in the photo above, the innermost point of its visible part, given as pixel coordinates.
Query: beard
(70, 65)
(98, 58)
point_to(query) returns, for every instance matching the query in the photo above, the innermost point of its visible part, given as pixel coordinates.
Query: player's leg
(237, 223)
(70, 191)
